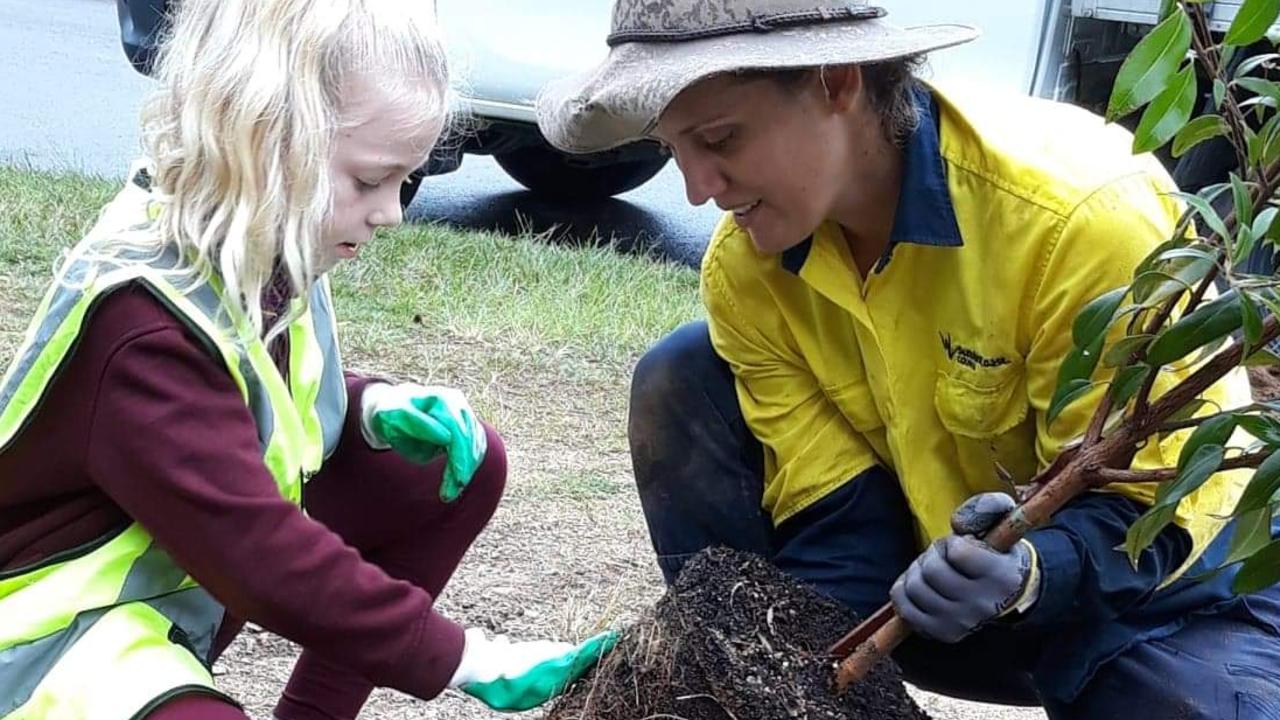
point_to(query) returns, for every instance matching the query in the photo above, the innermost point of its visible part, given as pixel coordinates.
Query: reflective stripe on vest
(106, 631)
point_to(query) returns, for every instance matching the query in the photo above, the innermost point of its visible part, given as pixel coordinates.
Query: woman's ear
(842, 85)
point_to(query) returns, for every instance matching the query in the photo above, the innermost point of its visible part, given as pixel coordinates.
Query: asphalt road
(70, 100)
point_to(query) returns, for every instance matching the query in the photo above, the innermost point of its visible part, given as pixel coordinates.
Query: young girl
(179, 446)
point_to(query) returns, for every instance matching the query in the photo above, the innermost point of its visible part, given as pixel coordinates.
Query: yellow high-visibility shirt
(940, 364)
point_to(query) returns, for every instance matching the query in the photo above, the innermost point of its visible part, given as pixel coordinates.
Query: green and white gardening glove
(420, 423)
(517, 676)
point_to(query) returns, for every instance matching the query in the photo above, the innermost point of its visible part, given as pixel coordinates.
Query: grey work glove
(960, 582)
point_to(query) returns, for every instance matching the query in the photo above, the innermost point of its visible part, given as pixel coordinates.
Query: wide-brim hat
(660, 47)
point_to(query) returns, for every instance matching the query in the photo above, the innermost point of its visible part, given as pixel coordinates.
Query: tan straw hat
(660, 47)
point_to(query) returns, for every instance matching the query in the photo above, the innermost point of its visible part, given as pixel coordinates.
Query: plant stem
(1202, 41)
(1113, 475)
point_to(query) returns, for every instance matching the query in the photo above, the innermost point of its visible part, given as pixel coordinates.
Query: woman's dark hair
(889, 84)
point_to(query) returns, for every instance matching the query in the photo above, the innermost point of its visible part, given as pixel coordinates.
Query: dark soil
(734, 639)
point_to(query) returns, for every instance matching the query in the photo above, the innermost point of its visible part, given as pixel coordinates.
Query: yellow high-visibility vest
(111, 630)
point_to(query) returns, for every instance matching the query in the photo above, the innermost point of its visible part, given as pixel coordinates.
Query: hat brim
(620, 100)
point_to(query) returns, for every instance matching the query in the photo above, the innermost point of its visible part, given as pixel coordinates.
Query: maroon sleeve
(173, 444)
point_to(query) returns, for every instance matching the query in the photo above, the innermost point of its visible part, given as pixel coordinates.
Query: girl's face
(775, 156)
(374, 152)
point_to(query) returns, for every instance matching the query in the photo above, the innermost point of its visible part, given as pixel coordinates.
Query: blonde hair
(242, 127)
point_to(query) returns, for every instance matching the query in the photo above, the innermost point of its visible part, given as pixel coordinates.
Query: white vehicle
(503, 52)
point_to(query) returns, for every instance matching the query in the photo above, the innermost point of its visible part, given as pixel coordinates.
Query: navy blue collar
(925, 215)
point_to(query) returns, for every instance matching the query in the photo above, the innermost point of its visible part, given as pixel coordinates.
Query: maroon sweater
(144, 423)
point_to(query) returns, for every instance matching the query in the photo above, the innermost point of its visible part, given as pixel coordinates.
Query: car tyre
(551, 173)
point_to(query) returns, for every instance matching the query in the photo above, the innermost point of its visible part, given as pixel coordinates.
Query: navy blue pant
(699, 475)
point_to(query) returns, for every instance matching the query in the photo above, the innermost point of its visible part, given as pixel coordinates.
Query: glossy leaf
(1260, 571)
(1252, 533)
(1211, 432)
(1150, 65)
(1205, 127)
(1251, 21)
(1127, 382)
(1260, 87)
(1243, 245)
(1168, 112)
(1251, 320)
(1094, 319)
(1145, 529)
(1205, 211)
(1265, 220)
(1207, 324)
(1219, 93)
(1263, 427)
(1250, 64)
(1157, 254)
(1119, 351)
(1262, 488)
(1242, 200)
(1066, 394)
(1154, 286)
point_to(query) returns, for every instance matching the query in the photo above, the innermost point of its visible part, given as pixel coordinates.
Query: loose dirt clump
(734, 639)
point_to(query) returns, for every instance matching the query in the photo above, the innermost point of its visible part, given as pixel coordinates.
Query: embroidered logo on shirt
(968, 357)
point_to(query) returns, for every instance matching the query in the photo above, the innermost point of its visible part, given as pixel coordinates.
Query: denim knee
(670, 370)
(676, 369)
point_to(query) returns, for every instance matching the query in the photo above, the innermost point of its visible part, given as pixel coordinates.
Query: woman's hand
(960, 582)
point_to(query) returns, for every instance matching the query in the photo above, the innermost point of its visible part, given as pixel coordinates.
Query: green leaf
(1197, 131)
(1252, 533)
(1262, 224)
(1206, 324)
(1145, 529)
(1212, 432)
(1252, 63)
(1066, 394)
(1270, 134)
(1127, 382)
(1263, 427)
(1157, 254)
(1096, 317)
(1243, 245)
(1262, 488)
(1119, 352)
(1219, 93)
(1260, 87)
(1202, 208)
(1154, 286)
(1260, 571)
(1268, 298)
(1251, 21)
(1243, 202)
(1168, 112)
(1150, 65)
(1251, 320)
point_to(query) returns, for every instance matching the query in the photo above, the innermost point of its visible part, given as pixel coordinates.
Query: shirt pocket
(985, 411)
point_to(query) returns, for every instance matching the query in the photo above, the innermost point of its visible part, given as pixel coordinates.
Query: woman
(179, 446)
(889, 297)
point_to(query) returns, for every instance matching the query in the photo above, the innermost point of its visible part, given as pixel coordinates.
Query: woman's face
(373, 154)
(775, 156)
